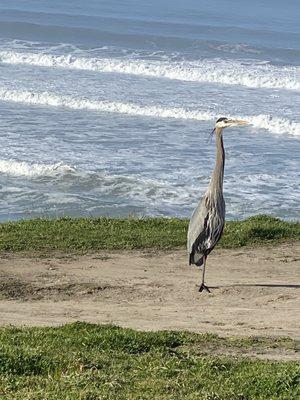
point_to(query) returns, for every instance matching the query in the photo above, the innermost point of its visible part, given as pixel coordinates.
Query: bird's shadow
(271, 285)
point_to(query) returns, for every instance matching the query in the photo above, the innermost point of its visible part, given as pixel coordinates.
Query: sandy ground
(254, 291)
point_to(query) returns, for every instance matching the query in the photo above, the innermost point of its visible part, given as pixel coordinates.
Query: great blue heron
(208, 219)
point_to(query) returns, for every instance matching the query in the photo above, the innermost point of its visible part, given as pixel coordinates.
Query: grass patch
(89, 362)
(88, 234)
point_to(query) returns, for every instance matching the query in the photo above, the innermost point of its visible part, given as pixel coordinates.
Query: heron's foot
(204, 287)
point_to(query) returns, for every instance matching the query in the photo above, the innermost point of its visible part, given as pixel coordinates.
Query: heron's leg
(202, 286)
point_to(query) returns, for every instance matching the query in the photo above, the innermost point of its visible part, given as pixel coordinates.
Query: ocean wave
(22, 168)
(48, 99)
(272, 124)
(227, 72)
(138, 188)
(102, 183)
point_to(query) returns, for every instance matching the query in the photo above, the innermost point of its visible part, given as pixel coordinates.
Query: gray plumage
(208, 219)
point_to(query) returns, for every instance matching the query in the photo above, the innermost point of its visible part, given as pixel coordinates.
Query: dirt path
(254, 291)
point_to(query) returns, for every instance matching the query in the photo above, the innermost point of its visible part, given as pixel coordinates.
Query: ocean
(106, 106)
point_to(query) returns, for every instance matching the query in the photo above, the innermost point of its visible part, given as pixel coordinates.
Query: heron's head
(226, 122)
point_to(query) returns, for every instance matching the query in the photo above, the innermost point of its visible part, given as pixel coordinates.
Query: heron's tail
(196, 259)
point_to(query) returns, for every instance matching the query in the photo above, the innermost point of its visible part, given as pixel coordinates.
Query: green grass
(90, 234)
(89, 362)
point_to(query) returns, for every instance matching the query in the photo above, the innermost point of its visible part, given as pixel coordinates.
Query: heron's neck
(216, 183)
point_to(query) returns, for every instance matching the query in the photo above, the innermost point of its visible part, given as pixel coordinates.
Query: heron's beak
(235, 122)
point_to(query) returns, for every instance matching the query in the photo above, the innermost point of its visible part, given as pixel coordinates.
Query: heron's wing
(198, 225)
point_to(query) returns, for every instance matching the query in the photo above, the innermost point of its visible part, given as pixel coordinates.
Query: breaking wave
(22, 168)
(272, 124)
(48, 99)
(228, 72)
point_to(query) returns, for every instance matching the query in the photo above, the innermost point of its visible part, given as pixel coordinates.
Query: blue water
(106, 106)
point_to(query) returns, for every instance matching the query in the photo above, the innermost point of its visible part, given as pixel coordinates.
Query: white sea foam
(272, 124)
(228, 72)
(139, 188)
(22, 168)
